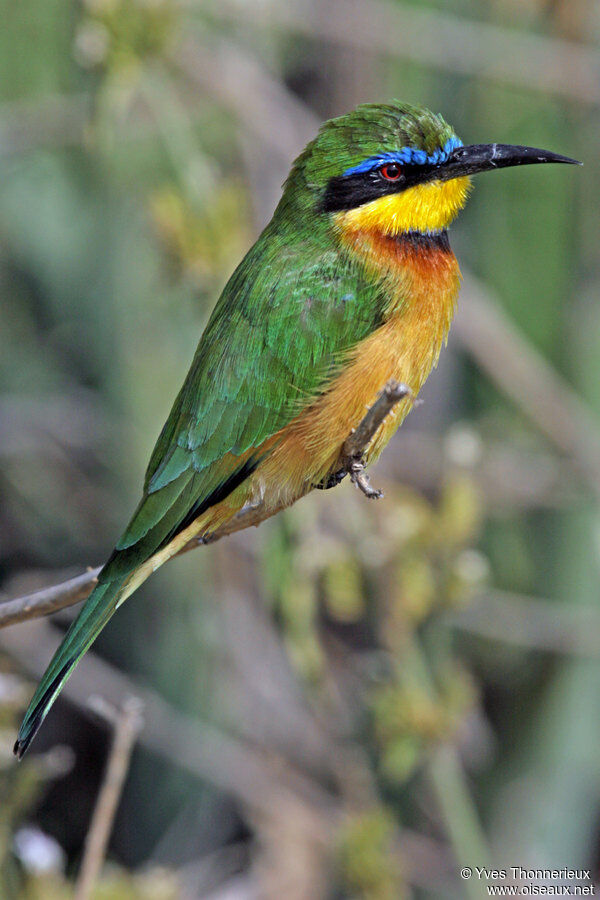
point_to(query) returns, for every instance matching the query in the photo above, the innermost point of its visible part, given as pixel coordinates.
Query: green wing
(274, 339)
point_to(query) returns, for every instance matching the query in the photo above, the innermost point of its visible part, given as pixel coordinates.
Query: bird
(352, 283)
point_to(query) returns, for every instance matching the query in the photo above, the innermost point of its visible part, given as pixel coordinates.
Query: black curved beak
(475, 158)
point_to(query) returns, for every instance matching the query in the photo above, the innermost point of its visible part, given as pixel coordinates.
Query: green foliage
(369, 866)
(201, 244)
(121, 35)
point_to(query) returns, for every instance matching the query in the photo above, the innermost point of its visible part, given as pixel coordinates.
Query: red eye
(391, 172)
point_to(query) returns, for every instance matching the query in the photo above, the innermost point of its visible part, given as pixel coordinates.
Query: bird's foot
(352, 458)
(332, 480)
(359, 477)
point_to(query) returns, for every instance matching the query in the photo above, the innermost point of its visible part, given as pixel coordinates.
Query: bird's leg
(357, 442)
(332, 480)
(359, 477)
(352, 460)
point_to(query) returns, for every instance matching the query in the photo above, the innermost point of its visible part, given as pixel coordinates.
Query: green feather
(91, 620)
(278, 334)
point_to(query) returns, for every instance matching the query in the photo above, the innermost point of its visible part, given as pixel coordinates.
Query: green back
(276, 337)
(294, 306)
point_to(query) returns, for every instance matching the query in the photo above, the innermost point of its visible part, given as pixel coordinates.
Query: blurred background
(357, 699)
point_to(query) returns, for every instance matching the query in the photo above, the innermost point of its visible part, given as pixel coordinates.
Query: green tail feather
(96, 612)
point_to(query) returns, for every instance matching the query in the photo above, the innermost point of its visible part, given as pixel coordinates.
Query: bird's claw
(359, 477)
(351, 460)
(332, 480)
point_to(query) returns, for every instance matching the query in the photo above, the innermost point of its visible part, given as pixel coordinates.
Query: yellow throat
(426, 207)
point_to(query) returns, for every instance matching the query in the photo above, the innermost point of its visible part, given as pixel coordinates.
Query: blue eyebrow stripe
(407, 156)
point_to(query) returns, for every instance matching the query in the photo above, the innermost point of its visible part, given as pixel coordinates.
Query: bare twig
(352, 452)
(49, 600)
(364, 432)
(127, 723)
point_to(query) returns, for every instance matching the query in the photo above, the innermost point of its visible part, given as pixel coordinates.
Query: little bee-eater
(351, 284)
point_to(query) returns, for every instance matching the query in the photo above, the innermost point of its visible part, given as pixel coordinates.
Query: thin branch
(49, 600)
(356, 443)
(127, 724)
(364, 432)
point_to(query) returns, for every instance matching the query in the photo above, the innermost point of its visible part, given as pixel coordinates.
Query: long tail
(99, 607)
(124, 572)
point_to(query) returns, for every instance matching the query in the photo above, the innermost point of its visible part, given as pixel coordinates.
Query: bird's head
(396, 168)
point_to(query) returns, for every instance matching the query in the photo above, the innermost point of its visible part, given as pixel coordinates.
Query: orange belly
(424, 281)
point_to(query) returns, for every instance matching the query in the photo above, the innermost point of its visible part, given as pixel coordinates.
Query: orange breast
(423, 279)
(422, 276)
